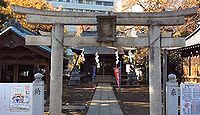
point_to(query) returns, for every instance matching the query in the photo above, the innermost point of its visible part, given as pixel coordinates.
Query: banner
(117, 74)
(190, 99)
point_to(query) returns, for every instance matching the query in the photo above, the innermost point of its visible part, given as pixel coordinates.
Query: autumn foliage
(168, 5)
(7, 13)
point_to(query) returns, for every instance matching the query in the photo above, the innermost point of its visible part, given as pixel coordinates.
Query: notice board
(190, 99)
(16, 98)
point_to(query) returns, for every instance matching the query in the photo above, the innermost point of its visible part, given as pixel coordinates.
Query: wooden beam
(22, 62)
(15, 54)
(184, 12)
(38, 19)
(92, 41)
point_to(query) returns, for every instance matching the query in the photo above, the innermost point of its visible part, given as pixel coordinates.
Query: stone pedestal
(172, 95)
(132, 77)
(75, 77)
(38, 95)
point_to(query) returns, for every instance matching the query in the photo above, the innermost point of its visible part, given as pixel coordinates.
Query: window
(99, 3)
(88, 1)
(80, 1)
(80, 10)
(108, 4)
(24, 73)
(66, 0)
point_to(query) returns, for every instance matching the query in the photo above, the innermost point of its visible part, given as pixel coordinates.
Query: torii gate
(58, 19)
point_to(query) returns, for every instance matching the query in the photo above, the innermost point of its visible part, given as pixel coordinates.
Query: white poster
(20, 98)
(190, 99)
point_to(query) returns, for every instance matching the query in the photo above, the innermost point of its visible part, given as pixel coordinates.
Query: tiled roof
(94, 49)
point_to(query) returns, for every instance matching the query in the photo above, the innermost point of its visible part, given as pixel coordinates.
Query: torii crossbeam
(154, 41)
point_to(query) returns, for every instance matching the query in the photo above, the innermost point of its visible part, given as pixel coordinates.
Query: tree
(168, 5)
(2, 16)
(7, 12)
(161, 6)
(175, 63)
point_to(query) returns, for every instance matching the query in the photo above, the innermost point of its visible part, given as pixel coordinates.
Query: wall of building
(84, 5)
(191, 69)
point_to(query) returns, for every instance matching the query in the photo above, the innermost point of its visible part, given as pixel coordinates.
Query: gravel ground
(134, 99)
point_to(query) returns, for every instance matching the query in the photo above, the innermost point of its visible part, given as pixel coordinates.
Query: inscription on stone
(37, 91)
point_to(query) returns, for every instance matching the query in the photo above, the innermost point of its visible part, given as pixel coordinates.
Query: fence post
(172, 95)
(38, 95)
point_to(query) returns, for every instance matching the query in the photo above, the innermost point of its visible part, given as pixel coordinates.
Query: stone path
(104, 101)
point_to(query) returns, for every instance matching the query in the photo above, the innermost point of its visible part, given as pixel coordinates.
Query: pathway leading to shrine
(104, 101)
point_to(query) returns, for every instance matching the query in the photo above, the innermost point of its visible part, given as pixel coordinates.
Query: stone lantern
(106, 28)
(75, 75)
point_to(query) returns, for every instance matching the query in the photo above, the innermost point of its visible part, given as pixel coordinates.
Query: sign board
(20, 98)
(16, 98)
(190, 99)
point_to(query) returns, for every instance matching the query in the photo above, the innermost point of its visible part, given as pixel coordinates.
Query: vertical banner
(190, 99)
(117, 74)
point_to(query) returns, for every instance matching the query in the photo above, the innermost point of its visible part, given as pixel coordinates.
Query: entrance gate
(57, 40)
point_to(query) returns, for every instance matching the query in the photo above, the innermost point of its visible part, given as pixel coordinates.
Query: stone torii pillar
(155, 70)
(56, 69)
(154, 41)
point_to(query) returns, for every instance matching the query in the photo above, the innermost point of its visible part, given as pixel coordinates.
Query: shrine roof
(22, 32)
(100, 50)
(193, 38)
(192, 42)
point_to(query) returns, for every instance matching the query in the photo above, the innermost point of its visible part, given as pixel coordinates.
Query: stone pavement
(104, 101)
